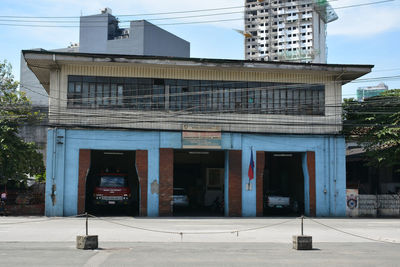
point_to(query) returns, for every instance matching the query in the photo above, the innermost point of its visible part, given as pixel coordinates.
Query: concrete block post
(87, 241)
(302, 242)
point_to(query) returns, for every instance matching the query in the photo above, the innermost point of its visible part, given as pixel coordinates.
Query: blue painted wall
(153, 176)
(306, 184)
(226, 184)
(63, 164)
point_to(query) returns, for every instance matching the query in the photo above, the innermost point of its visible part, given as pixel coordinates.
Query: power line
(383, 70)
(164, 24)
(134, 15)
(97, 21)
(141, 14)
(374, 79)
(168, 24)
(383, 102)
(365, 4)
(209, 94)
(115, 118)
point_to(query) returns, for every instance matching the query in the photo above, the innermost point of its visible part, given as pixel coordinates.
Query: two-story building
(195, 124)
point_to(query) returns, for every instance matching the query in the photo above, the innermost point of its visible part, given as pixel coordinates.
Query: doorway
(112, 186)
(198, 183)
(283, 184)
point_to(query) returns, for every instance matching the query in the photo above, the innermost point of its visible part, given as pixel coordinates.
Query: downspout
(329, 177)
(335, 173)
(58, 86)
(53, 178)
(335, 148)
(54, 186)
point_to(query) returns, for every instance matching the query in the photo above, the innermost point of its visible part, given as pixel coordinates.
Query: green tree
(375, 125)
(18, 159)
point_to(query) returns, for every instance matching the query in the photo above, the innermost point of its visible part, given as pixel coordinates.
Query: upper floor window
(200, 96)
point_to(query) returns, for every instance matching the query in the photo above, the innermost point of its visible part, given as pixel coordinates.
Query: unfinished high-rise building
(287, 30)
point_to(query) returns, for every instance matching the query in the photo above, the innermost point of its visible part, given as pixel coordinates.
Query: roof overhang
(43, 62)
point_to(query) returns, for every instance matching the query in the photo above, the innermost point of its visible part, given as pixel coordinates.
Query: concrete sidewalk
(126, 241)
(236, 230)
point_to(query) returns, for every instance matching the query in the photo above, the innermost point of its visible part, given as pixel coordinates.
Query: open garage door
(283, 192)
(112, 186)
(198, 183)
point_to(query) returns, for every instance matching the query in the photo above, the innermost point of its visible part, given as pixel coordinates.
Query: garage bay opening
(198, 183)
(283, 192)
(112, 186)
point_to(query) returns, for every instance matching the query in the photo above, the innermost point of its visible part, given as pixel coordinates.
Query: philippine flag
(251, 166)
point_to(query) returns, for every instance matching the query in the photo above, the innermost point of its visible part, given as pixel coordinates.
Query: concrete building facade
(101, 33)
(195, 124)
(287, 30)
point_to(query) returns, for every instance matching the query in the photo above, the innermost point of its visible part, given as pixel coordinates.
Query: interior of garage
(200, 175)
(283, 182)
(106, 163)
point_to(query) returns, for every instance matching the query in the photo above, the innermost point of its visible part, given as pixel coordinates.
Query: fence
(379, 205)
(25, 202)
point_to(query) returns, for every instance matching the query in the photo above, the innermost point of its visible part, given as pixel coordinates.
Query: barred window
(198, 96)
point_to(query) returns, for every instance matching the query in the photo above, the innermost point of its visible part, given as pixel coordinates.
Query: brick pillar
(311, 175)
(235, 183)
(142, 172)
(260, 164)
(84, 165)
(166, 181)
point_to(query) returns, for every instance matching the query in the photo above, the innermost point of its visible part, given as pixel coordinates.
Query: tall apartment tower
(287, 30)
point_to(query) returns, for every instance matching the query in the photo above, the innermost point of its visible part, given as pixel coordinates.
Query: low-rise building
(370, 91)
(227, 131)
(100, 33)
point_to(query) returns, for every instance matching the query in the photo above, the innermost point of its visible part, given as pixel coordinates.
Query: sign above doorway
(195, 137)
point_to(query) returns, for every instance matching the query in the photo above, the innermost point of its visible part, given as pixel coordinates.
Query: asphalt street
(124, 241)
(198, 254)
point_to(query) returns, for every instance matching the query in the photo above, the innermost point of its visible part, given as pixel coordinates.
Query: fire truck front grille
(112, 198)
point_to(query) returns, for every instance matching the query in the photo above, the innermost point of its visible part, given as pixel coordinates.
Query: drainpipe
(335, 173)
(58, 70)
(335, 146)
(54, 186)
(53, 178)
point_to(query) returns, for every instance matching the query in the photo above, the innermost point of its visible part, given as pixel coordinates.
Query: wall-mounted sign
(196, 137)
(352, 202)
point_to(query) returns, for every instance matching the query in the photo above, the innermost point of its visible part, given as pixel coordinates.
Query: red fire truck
(112, 189)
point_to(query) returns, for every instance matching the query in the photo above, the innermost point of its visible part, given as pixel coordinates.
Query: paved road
(198, 254)
(40, 241)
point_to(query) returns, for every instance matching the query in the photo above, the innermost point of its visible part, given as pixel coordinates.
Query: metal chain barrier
(45, 220)
(181, 233)
(352, 234)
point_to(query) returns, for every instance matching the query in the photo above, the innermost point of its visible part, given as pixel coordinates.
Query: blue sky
(362, 35)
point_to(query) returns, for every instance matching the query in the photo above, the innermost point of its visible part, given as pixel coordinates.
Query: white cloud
(364, 21)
